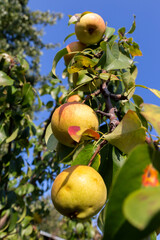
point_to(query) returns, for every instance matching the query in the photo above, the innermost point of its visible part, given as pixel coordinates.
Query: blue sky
(117, 14)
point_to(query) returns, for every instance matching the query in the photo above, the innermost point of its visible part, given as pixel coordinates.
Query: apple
(74, 98)
(72, 114)
(90, 28)
(72, 48)
(79, 192)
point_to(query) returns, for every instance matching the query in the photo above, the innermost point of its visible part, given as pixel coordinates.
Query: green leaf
(128, 179)
(28, 94)
(70, 35)
(109, 32)
(13, 136)
(13, 221)
(27, 231)
(128, 134)
(22, 215)
(57, 58)
(152, 114)
(84, 155)
(80, 62)
(52, 143)
(5, 80)
(101, 219)
(115, 59)
(141, 206)
(154, 91)
(133, 27)
(2, 134)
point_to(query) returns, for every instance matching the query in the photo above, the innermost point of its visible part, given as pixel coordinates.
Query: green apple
(79, 192)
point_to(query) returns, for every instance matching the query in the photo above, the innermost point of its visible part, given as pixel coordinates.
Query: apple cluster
(79, 191)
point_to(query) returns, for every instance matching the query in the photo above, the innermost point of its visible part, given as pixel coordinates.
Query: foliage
(126, 153)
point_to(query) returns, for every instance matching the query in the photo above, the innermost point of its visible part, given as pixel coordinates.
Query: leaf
(90, 134)
(2, 134)
(85, 135)
(141, 206)
(155, 91)
(133, 27)
(13, 136)
(28, 94)
(57, 58)
(83, 157)
(109, 32)
(80, 62)
(52, 143)
(152, 114)
(70, 35)
(73, 19)
(106, 76)
(115, 59)
(128, 179)
(5, 80)
(128, 134)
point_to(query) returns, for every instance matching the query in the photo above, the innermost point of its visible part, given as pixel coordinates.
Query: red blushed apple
(76, 114)
(72, 48)
(90, 28)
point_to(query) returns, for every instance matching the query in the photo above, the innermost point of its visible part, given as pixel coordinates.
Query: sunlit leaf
(81, 62)
(2, 134)
(84, 155)
(152, 114)
(141, 206)
(57, 58)
(5, 80)
(90, 134)
(128, 180)
(13, 136)
(73, 19)
(109, 32)
(133, 27)
(128, 133)
(106, 76)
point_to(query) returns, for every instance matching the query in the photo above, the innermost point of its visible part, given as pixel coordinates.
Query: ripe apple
(79, 192)
(90, 28)
(72, 48)
(74, 98)
(72, 114)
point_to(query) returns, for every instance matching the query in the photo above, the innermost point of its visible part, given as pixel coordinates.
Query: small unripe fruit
(72, 114)
(90, 28)
(79, 192)
(72, 48)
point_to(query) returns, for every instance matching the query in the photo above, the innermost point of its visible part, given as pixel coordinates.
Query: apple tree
(123, 149)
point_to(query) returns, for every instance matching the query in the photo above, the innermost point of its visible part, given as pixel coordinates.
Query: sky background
(117, 14)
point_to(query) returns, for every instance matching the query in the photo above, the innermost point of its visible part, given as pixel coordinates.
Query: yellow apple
(72, 114)
(90, 28)
(74, 98)
(72, 48)
(79, 192)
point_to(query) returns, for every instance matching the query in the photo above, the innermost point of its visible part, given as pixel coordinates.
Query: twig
(96, 93)
(97, 151)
